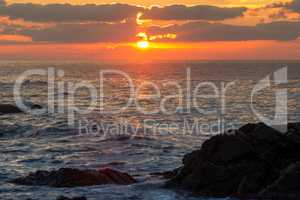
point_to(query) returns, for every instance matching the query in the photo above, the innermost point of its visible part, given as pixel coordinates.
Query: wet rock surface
(12, 109)
(67, 177)
(254, 161)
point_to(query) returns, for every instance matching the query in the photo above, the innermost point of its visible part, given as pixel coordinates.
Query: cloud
(2, 3)
(92, 23)
(69, 13)
(294, 5)
(275, 5)
(199, 12)
(114, 12)
(279, 15)
(84, 33)
(14, 39)
(189, 32)
(204, 31)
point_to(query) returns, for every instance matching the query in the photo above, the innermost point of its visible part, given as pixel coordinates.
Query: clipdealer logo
(97, 96)
(280, 119)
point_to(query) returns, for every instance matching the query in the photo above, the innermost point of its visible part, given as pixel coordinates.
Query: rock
(294, 128)
(260, 136)
(167, 174)
(74, 198)
(287, 185)
(225, 148)
(261, 132)
(294, 132)
(67, 177)
(243, 164)
(36, 106)
(11, 109)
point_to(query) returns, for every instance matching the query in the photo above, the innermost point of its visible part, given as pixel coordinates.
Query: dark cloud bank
(97, 29)
(114, 12)
(294, 5)
(2, 3)
(182, 12)
(189, 32)
(84, 33)
(69, 13)
(203, 31)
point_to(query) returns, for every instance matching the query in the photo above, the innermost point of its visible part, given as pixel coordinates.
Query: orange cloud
(5, 38)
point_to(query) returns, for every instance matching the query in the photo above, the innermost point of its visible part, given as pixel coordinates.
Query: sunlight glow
(165, 36)
(142, 36)
(138, 19)
(143, 44)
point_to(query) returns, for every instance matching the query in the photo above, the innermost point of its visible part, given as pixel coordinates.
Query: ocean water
(159, 130)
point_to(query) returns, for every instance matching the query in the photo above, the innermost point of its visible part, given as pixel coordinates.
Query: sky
(149, 30)
(148, 3)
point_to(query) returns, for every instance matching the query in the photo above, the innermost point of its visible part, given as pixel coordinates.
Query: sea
(139, 118)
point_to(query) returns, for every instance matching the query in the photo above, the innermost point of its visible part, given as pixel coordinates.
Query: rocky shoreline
(253, 162)
(68, 177)
(13, 109)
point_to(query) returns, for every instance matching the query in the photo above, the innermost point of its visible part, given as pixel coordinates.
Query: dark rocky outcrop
(254, 161)
(67, 177)
(12, 109)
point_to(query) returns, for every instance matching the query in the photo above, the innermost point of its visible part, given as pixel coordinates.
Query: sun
(143, 44)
